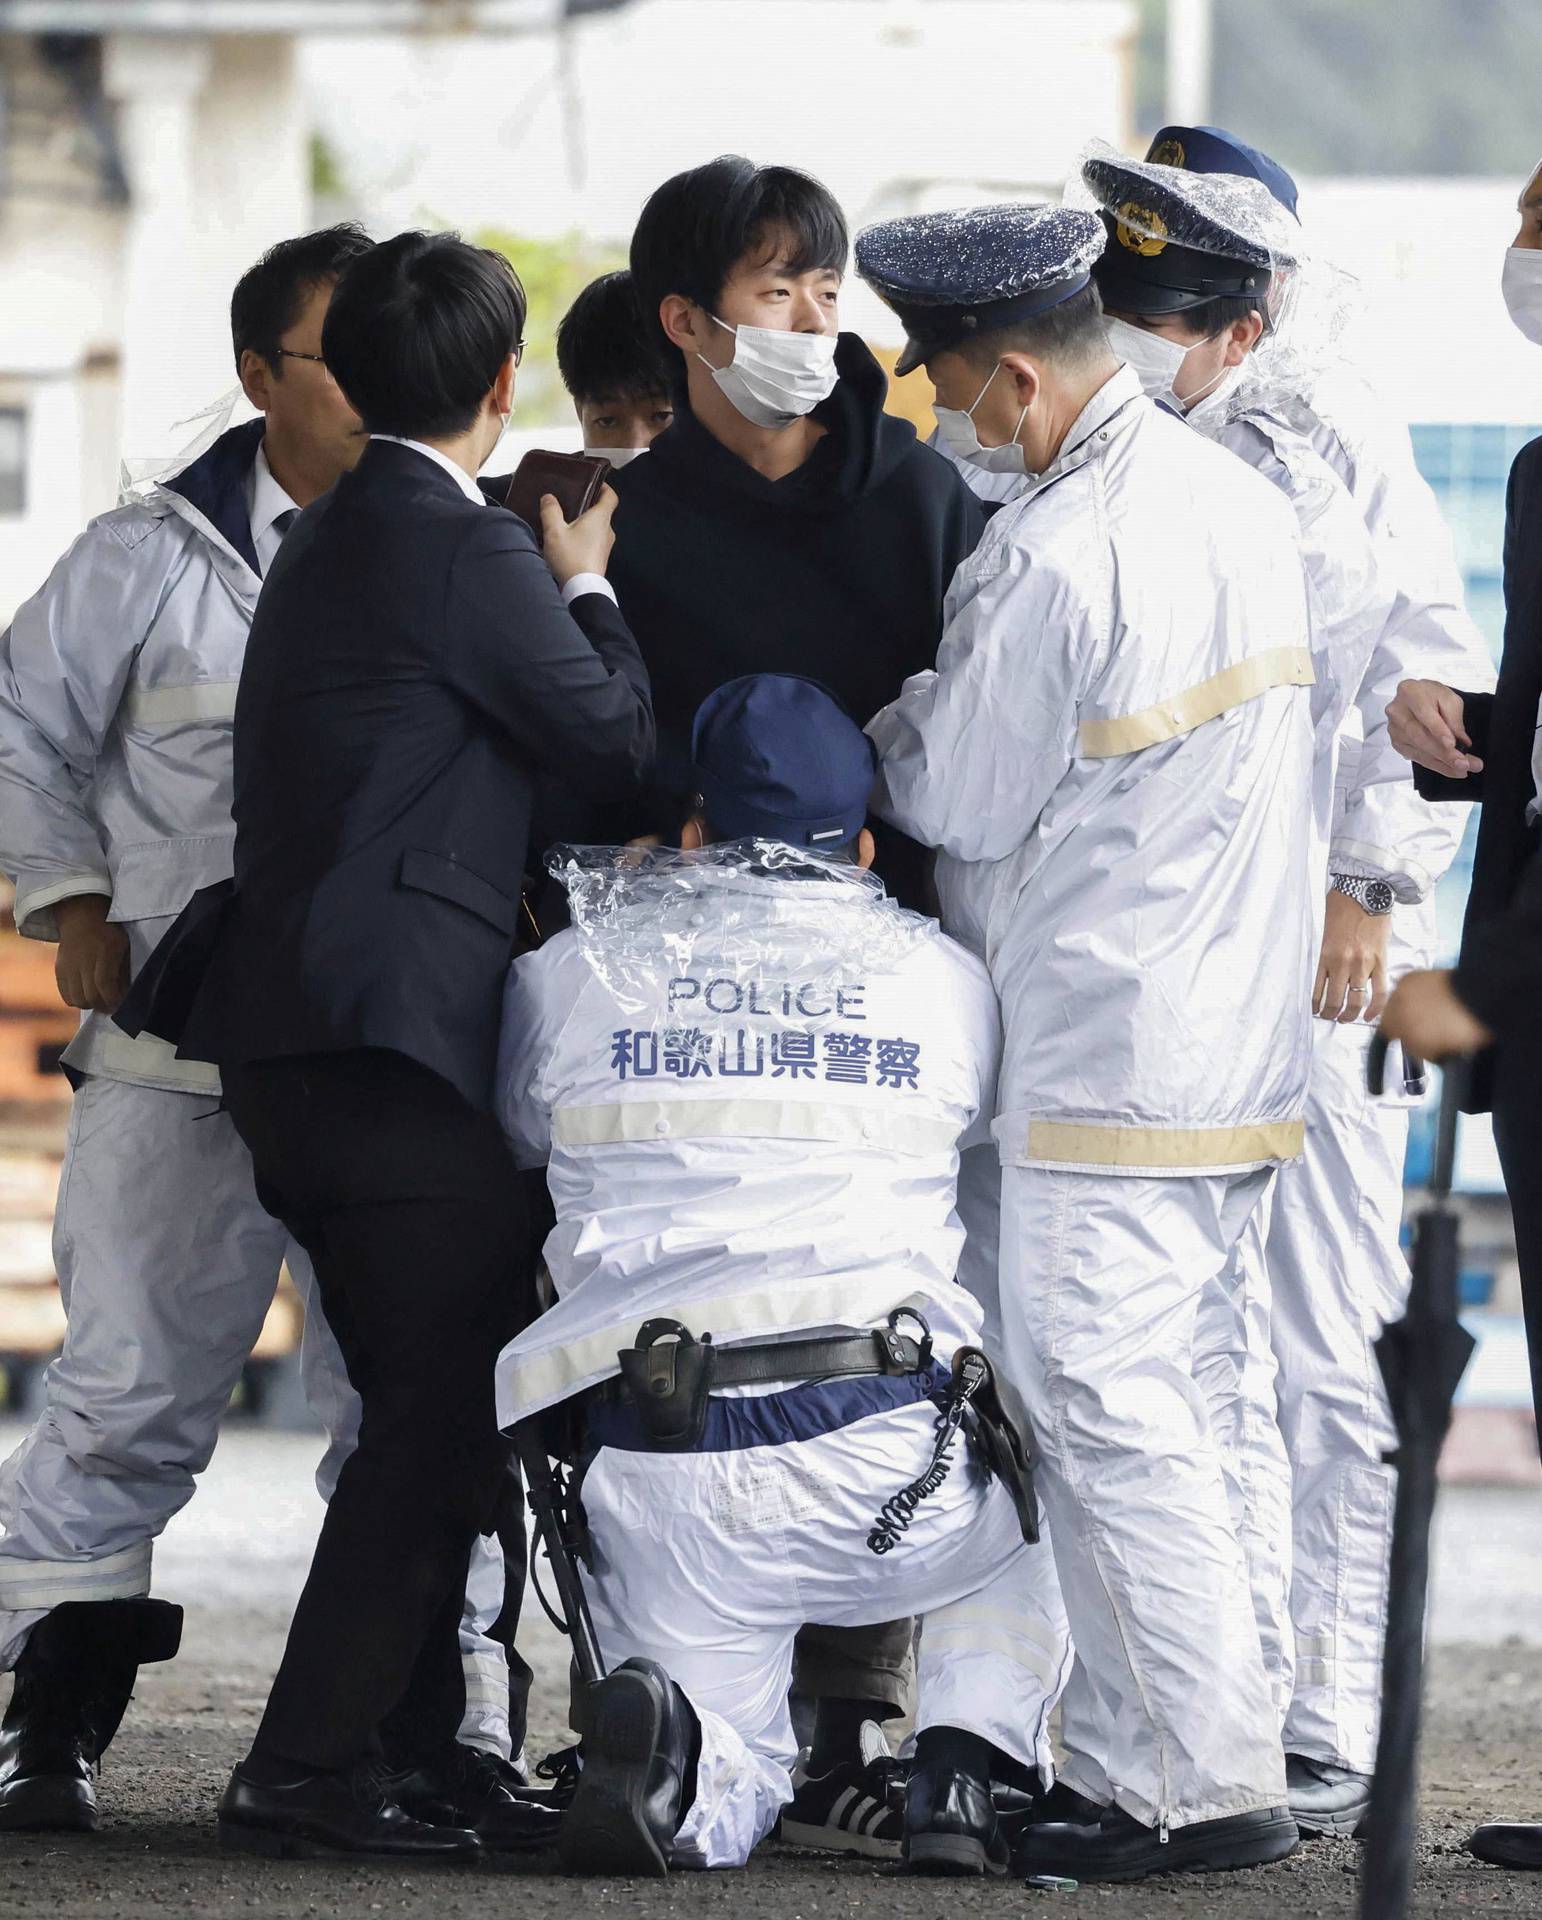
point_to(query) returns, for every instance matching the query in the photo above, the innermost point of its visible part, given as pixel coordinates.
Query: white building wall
(1434, 335)
(114, 323)
(569, 131)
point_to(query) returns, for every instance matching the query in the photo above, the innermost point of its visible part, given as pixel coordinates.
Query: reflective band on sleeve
(1067, 1143)
(1183, 712)
(850, 1125)
(173, 706)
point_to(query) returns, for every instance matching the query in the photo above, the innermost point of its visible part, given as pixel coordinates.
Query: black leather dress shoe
(637, 1779)
(951, 1825)
(465, 1787)
(74, 1680)
(326, 1815)
(1510, 1844)
(1119, 1848)
(1326, 1799)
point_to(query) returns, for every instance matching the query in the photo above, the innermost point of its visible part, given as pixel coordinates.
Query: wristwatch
(1371, 896)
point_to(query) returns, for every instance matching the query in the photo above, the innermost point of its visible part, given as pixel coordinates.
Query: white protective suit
(117, 691)
(815, 1192)
(1312, 1413)
(1116, 756)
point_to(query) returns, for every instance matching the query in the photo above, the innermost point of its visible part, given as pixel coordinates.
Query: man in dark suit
(1481, 747)
(1488, 748)
(414, 664)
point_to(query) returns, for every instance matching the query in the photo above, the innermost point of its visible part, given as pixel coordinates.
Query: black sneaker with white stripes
(857, 1807)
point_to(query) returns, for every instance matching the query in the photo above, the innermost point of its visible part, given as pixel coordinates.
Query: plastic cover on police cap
(744, 931)
(1306, 301)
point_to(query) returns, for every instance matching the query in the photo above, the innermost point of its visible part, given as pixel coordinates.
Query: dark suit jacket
(411, 668)
(1499, 951)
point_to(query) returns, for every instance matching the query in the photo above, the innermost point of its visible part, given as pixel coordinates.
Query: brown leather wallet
(576, 479)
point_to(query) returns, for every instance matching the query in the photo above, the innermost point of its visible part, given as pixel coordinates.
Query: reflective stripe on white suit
(1116, 755)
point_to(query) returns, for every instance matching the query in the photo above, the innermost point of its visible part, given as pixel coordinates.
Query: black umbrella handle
(1455, 1074)
(1376, 1064)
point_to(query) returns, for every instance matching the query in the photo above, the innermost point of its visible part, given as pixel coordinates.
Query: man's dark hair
(603, 348)
(699, 225)
(269, 297)
(1213, 316)
(1072, 334)
(417, 331)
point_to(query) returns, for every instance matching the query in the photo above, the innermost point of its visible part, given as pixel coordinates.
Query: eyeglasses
(288, 353)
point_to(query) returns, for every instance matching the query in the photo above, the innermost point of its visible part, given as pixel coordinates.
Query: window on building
(13, 460)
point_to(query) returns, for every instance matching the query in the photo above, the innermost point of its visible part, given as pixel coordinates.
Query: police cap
(1214, 150)
(1178, 238)
(778, 758)
(975, 270)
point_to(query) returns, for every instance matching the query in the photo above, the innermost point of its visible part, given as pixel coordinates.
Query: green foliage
(327, 182)
(554, 273)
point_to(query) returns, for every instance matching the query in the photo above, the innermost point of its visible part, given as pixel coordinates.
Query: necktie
(280, 524)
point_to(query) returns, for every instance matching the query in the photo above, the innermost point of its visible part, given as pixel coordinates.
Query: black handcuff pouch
(999, 1432)
(667, 1374)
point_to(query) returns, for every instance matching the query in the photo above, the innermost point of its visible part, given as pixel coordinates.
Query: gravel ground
(236, 1558)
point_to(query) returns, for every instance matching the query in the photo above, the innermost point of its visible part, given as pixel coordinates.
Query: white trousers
(1313, 1411)
(167, 1265)
(710, 1562)
(1108, 1332)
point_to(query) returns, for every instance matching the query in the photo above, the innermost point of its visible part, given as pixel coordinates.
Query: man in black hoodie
(784, 523)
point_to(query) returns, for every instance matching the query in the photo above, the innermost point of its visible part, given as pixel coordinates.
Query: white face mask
(1205, 408)
(617, 456)
(1521, 284)
(775, 377)
(1155, 359)
(955, 426)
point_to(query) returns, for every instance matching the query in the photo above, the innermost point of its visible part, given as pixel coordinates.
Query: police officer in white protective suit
(117, 685)
(751, 1074)
(1216, 301)
(1116, 756)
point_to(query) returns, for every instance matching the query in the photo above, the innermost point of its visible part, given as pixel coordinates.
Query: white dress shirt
(581, 583)
(266, 502)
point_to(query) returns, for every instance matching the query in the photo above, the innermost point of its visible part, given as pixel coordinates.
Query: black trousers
(1518, 1136)
(410, 1207)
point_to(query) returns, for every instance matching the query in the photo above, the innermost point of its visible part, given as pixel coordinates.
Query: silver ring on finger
(1364, 991)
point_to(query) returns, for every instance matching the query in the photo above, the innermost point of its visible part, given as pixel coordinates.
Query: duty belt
(667, 1375)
